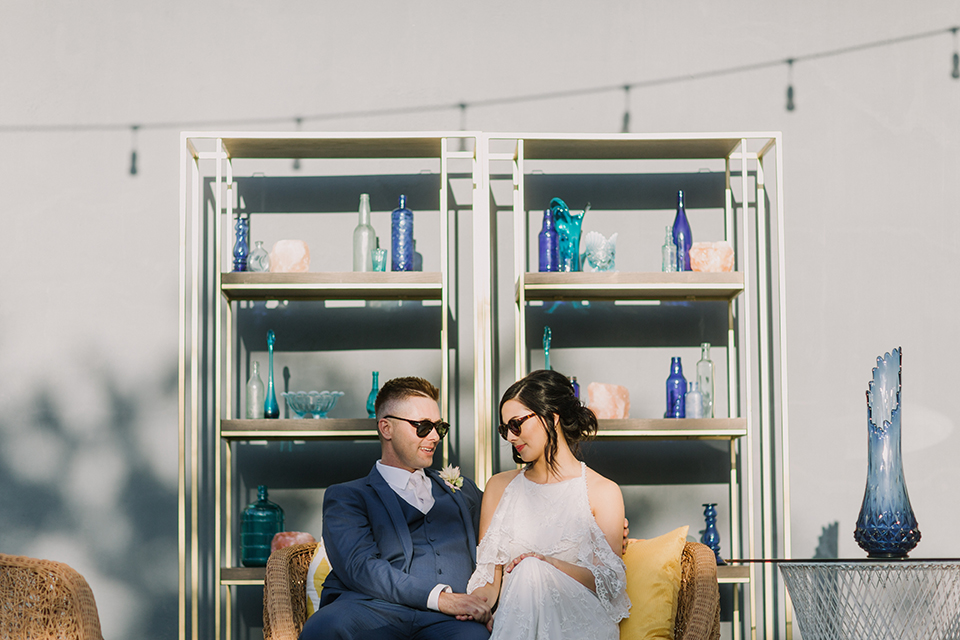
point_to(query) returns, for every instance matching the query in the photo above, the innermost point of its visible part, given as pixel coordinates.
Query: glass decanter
(260, 521)
(259, 259)
(372, 397)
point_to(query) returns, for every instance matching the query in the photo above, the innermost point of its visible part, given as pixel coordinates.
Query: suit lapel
(391, 503)
(465, 515)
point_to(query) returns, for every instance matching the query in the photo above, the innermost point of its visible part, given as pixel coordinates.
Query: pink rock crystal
(608, 401)
(289, 256)
(712, 257)
(288, 538)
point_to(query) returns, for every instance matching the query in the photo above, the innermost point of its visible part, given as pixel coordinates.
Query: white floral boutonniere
(451, 475)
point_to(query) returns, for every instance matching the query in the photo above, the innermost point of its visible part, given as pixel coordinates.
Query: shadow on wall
(100, 494)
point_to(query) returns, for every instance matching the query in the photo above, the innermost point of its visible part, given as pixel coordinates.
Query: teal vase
(261, 520)
(271, 409)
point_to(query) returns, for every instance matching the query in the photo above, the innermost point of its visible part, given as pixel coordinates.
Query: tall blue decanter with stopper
(260, 521)
(682, 237)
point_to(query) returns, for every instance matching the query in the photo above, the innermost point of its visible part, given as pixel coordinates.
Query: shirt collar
(396, 477)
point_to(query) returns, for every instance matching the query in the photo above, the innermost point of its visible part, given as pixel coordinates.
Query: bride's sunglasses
(514, 425)
(424, 427)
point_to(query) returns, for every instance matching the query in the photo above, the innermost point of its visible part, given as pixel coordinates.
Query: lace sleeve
(609, 573)
(493, 549)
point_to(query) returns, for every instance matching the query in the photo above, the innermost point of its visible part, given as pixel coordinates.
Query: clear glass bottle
(401, 237)
(682, 237)
(705, 379)
(256, 393)
(549, 244)
(669, 253)
(259, 259)
(676, 389)
(372, 397)
(417, 258)
(260, 521)
(693, 401)
(364, 237)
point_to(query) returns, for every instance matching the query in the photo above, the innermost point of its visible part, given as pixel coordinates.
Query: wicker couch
(285, 596)
(45, 599)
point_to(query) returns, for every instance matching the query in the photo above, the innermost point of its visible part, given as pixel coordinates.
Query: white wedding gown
(538, 601)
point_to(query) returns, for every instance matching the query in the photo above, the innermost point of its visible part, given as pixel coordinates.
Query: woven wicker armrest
(285, 591)
(698, 605)
(45, 599)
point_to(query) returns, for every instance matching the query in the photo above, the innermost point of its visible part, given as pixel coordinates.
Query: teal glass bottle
(261, 520)
(271, 409)
(372, 398)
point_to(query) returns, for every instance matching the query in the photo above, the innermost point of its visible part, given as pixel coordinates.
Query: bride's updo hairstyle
(550, 394)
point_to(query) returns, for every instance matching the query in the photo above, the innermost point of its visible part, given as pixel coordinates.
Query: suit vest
(440, 550)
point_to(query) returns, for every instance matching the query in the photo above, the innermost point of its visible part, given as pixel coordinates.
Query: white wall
(88, 320)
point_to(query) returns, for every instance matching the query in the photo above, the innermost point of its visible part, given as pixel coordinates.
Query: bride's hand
(539, 556)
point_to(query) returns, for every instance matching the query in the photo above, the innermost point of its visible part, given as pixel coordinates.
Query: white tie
(421, 487)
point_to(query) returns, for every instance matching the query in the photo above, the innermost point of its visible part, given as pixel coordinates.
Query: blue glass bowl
(316, 404)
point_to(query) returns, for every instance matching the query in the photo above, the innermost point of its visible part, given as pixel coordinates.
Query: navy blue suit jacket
(368, 542)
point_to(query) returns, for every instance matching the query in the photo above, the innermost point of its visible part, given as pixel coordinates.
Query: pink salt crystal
(289, 256)
(608, 401)
(711, 257)
(288, 538)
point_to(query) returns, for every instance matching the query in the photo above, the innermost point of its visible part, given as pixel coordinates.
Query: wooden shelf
(673, 429)
(333, 285)
(305, 429)
(684, 285)
(733, 574)
(243, 575)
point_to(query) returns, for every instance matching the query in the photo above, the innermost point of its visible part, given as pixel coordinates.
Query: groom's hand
(464, 606)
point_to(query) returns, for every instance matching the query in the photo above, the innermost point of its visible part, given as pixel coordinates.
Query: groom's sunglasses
(514, 425)
(424, 427)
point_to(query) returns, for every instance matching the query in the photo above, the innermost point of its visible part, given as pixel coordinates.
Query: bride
(551, 532)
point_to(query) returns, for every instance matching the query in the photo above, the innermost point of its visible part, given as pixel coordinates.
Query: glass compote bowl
(316, 404)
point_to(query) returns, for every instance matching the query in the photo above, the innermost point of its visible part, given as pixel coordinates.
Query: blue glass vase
(260, 521)
(568, 233)
(241, 245)
(547, 338)
(886, 527)
(271, 409)
(549, 241)
(372, 397)
(711, 537)
(401, 237)
(682, 237)
(676, 390)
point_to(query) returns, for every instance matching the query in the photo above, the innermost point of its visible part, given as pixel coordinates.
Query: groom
(401, 542)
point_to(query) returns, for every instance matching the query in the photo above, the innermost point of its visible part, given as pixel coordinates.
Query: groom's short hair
(400, 388)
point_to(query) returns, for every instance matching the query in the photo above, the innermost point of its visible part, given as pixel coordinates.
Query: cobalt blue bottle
(549, 244)
(401, 237)
(676, 390)
(682, 237)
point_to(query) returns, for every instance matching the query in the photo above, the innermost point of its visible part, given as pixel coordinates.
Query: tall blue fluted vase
(886, 527)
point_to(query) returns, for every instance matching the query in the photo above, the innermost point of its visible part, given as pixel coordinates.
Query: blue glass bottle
(676, 390)
(576, 387)
(372, 398)
(401, 237)
(271, 409)
(261, 520)
(682, 237)
(241, 245)
(549, 244)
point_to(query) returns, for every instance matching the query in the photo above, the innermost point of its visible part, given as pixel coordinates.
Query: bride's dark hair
(549, 394)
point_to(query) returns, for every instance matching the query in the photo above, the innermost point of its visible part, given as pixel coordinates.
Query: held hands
(465, 606)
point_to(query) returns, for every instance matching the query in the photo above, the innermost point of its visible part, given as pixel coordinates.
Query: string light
(133, 153)
(956, 56)
(790, 105)
(625, 128)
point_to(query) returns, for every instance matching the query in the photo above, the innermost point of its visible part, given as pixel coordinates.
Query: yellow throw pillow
(316, 574)
(653, 583)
